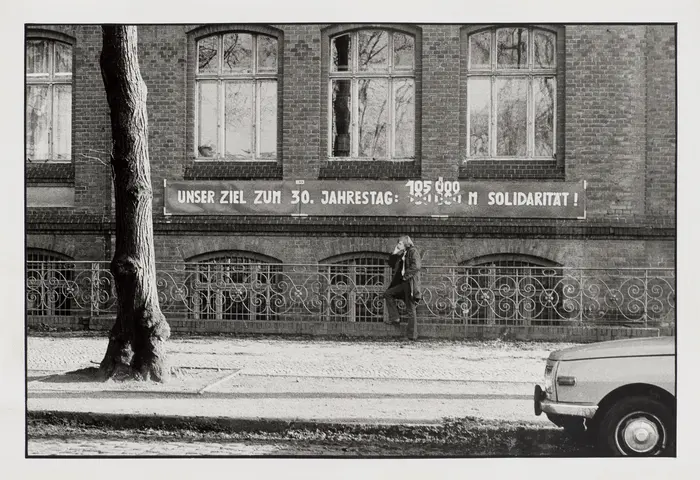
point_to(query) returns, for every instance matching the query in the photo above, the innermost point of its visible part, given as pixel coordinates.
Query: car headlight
(549, 380)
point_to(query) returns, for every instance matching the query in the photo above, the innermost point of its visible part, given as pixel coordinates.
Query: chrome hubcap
(640, 432)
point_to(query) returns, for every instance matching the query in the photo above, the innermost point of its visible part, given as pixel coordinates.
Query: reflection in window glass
(238, 53)
(372, 106)
(341, 50)
(49, 99)
(268, 119)
(404, 118)
(543, 90)
(479, 91)
(511, 116)
(38, 56)
(511, 46)
(208, 119)
(207, 58)
(403, 51)
(544, 48)
(480, 50)
(372, 95)
(239, 119)
(64, 59)
(341, 118)
(237, 109)
(62, 119)
(38, 122)
(267, 54)
(372, 50)
(511, 104)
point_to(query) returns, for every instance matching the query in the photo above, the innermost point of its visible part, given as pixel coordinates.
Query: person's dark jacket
(406, 266)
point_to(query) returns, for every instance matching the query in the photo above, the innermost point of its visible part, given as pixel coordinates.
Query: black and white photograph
(380, 240)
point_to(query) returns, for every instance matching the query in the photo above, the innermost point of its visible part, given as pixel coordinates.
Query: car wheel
(636, 426)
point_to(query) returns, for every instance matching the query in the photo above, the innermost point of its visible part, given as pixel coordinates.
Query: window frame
(255, 77)
(486, 279)
(354, 75)
(47, 280)
(221, 271)
(494, 73)
(352, 266)
(51, 80)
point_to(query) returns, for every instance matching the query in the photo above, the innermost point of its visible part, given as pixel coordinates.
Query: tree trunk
(137, 340)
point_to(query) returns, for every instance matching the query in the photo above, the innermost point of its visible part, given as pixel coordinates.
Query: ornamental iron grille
(50, 284)
(508, 291)
(355, 287)
(232, 287)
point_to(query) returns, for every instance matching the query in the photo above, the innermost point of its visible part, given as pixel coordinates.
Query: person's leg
(412, 328)
(390, 296)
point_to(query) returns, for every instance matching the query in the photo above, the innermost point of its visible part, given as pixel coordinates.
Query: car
(618, 395)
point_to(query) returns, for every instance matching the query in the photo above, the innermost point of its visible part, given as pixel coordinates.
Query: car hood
(633, 347)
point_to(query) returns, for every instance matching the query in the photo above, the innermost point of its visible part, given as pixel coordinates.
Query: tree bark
(137, 339)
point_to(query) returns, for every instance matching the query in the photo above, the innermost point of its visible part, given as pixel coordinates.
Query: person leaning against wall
(405, 284)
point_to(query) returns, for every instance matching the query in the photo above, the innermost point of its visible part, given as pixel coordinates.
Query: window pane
(238, 53)
(544, 46)
(341, 118)
(208, 119)
(480, 51)
(404, 117)
(341, 48)
(62, 117)
(268, 119)
(64, 59)
(267, 54)
(403, 51)
(37, 56)
(38, 122)
(239, 120)
(208, 61)
(511, 45)
(372, 50)
(543, 89)
(372, 117)
(479, 101)
(511, 128)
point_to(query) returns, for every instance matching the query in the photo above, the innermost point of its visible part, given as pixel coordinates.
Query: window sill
(369, 169)
(226, 170)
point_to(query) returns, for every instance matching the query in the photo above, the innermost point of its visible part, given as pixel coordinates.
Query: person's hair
(406, 240)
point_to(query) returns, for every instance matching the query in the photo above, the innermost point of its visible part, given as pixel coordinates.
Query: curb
(473, 435)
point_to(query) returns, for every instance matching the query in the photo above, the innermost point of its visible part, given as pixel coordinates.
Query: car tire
(637, 426)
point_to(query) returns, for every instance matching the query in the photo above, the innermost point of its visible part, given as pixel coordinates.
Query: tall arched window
(510, 290)
(355, 283)
(372, 95)
(512, 93)
(49, 98)
(49, 283)
(232, 286)
(236, 97)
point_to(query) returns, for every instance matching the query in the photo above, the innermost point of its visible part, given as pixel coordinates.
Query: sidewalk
(300, 380)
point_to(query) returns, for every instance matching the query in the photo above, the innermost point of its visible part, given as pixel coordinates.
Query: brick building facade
(613, 127)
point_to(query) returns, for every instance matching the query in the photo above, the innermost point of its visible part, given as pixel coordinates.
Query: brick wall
(436, 251)
(660, 182)
(605, 116)
(619, 136)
